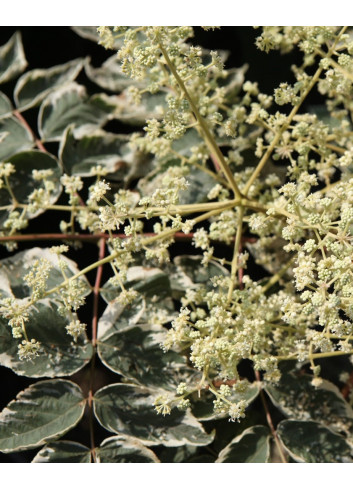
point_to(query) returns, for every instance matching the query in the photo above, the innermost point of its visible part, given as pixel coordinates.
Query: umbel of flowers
(300, 218)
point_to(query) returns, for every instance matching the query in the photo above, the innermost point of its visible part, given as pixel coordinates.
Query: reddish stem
(269, 420)
(90, 407)
(215, 163)
(38, 142)
(96, 292)
(94, 342)
(94, 237)
(347, 388)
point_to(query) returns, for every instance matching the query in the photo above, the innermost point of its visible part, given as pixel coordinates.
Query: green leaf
(13, 269)
(80, 156)
(177, 455)
(204, 458)
(87, 32)
(59, 355)
(269, 253)
(200, 183)
(70, 104)
(129, 113)
(189, 140)
(311, 442)
(297, 398)
(324, 115)
(110, 76)
(22, 182)
(251, 446)
(18, 138)
(43, 412)
(154, 298)
(68, 452)
(36, 84)
(118, 317)
(111, 151)
(116, 449)
(188, 272)
(90, 33)
(128, 409)
(149, 282)
(12, 58)
(136, 354)
(128, 341)
(124, 449)
(203, 409)
(5, 106)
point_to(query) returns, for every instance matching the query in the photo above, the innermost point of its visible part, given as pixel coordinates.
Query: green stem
(209, 139)
(37, 141)
(12, 195)
(98, 263)
(293, 112)
(277, 276)
(144, 242)
(316, 355)
(139, 212)
(235, 259)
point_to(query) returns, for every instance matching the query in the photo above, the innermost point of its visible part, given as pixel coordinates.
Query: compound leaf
(190, 139)
(200, 182)
(12, 58)
(128, 409)
(311, 442)
(40, 413)
(251, 446)
(36, 84)
(68, 452)
(128, 341)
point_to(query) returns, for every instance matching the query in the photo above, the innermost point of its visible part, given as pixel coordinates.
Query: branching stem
(235, 259)
(209, 139)
(293, 112)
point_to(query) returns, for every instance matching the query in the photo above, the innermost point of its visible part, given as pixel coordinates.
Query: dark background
(48, 46)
